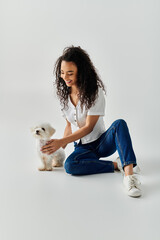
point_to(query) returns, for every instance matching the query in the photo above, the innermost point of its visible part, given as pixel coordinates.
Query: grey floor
(55, 205)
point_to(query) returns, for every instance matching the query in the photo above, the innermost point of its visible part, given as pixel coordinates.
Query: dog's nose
(37, 131)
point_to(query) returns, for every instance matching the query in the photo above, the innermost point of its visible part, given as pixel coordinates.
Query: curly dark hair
(88, 80)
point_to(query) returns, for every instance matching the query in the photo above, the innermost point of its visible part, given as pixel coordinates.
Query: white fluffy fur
(42, 133)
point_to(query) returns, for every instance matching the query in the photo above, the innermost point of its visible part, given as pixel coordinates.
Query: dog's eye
(43, 129)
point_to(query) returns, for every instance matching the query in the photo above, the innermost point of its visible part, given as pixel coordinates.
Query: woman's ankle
(115, 165)
(128, 170)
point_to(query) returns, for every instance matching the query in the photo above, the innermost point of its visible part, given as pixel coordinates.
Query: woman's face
(69, 72)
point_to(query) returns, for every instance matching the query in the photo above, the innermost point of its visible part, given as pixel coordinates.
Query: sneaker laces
(133, 182)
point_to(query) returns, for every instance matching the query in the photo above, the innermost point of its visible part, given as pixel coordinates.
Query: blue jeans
(85, 158)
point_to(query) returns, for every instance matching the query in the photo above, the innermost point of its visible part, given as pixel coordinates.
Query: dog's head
(43, 131)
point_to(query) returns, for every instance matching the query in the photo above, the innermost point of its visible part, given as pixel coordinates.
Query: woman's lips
(69, 81)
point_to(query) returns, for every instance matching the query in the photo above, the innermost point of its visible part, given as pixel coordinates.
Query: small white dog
(43, 132)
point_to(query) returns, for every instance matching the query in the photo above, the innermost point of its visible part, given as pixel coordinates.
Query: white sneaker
(132, 185)
(136, 169)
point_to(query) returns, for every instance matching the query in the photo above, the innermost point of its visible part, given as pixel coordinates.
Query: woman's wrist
(63, 142)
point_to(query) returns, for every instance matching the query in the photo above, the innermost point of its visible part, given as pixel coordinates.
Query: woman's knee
(70, 167)
(121, 122)
(67, 167)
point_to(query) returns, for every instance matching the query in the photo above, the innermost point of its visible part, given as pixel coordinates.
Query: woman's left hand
(51, 146)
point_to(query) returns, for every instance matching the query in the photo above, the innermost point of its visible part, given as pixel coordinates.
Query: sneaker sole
(135, 195)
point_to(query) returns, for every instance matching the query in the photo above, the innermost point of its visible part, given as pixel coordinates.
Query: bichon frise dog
(43, 132)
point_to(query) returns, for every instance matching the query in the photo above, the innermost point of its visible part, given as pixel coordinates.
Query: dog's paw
(42, 169)
(57, 164)
(49, 169)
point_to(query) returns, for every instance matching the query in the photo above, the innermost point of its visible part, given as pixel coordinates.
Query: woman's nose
(65, 77)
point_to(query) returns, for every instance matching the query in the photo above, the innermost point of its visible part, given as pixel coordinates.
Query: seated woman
(81, 94)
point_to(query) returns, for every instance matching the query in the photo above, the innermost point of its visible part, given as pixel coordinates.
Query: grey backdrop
(122, 39)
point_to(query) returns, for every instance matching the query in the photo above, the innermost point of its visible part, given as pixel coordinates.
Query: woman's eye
(68, 74)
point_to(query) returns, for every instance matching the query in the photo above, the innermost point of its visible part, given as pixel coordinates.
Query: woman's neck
(74, 90)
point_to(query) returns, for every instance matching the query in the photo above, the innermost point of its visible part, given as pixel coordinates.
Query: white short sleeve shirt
(77, 117)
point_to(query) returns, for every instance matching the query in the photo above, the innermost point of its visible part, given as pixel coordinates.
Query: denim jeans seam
(93, 161)
(117, 140)
(120, 148)
(75, 158)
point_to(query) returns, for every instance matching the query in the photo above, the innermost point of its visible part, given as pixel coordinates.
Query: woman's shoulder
(101, 93)
(100, 90)
(98, 108)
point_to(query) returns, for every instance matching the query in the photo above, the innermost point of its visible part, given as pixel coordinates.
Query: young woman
(81, 94)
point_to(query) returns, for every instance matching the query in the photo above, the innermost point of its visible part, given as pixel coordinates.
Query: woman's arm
(83, 131)
(67, 131)
(55, 144)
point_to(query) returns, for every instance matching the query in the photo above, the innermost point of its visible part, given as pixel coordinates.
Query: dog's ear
(52, 131)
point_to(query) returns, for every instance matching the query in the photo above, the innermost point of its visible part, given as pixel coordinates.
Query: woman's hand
(52, 146)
